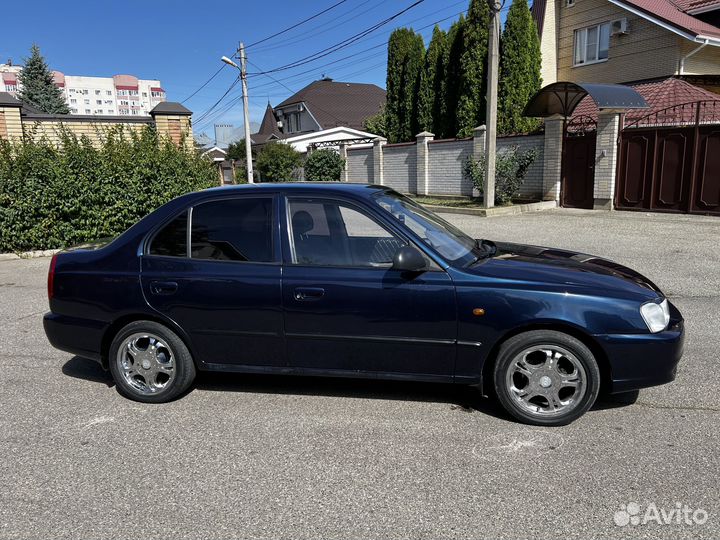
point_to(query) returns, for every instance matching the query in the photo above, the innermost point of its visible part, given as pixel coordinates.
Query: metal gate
(670, 161)
(578, 163)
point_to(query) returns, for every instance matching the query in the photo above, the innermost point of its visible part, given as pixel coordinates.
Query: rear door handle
(163, 287)
(309, 293)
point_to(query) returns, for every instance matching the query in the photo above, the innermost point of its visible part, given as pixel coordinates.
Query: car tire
(150, 363)
(546, 378)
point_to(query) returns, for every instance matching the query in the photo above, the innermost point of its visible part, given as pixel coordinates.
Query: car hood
(561, 267)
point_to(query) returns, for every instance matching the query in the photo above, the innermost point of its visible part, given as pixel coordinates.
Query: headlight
(656, 316)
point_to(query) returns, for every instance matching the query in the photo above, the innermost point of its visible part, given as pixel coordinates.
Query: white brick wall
(446, 161)
(400, 168)
(533, 185)
(360, 165)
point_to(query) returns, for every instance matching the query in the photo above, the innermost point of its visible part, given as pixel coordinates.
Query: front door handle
(163, 287)
(309, 293)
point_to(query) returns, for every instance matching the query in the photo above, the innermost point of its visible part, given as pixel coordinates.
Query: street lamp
(243, 78)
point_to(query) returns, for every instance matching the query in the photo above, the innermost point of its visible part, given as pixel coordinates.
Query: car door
(346, 309)
(220, 281)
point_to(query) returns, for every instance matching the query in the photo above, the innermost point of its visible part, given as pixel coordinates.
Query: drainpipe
(688, 55)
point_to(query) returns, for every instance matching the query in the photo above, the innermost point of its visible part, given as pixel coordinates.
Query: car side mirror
(409, 259)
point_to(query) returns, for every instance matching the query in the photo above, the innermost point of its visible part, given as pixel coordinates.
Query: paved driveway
(269, 457)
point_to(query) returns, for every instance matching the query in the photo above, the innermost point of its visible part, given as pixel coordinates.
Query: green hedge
(53, 196)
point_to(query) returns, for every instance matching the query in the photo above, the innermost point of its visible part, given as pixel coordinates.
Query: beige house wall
(548, 43)
(647, 51)
(704, 62)
(51, 129)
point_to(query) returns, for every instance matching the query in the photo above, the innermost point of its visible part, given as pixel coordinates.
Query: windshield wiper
(486, 248)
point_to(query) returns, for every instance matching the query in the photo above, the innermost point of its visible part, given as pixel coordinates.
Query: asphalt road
(269, 457)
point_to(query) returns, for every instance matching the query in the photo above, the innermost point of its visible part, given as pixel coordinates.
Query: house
(323, 111)
(625, 41)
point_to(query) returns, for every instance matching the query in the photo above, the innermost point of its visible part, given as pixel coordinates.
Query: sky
(181, 43)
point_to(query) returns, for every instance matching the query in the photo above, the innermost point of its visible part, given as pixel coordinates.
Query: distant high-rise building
(120, 95)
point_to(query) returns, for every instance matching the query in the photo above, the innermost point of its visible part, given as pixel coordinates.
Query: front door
(224, 291)
(578, 171)
(347, 311)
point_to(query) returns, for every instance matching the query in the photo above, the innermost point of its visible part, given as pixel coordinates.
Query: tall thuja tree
(519, 70)
(450, 85)
(473, 63)
(431, 80)
(38, 88)
(405, 57)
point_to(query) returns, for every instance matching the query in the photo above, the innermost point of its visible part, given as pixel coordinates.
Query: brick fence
(435, 167)
(170, 119)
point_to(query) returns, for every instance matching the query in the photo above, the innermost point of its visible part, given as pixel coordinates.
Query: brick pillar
(10, 119)
(552, 156)
(606, 154)
(378, 165)
(345, 176)
(173, 121)
(422, 165)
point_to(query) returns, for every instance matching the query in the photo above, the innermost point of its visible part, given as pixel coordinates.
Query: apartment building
(119, 95)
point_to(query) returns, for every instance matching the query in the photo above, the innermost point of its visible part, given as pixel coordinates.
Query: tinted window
(327, 233)
(171, 241)
(233, 230)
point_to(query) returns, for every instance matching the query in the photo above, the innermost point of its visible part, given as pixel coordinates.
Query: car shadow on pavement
(459, 397)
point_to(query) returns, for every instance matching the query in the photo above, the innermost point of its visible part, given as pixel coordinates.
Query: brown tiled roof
(268, 127)
(659, 95)
(339, 103)
(690, 6)
(670, 12)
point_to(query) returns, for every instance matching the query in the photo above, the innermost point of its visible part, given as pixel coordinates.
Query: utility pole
(491, 113)
(246, 114)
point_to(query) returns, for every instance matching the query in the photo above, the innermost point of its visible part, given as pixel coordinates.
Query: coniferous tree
(473, 64)
(519, 70)
(38, 88)
(405, 57)
(451, 77)
(431, 79)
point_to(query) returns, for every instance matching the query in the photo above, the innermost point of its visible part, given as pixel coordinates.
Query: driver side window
(331, 233)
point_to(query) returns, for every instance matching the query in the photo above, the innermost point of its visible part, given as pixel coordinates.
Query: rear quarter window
(171, 240)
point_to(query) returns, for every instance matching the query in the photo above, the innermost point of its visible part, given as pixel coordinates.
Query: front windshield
(454, 245)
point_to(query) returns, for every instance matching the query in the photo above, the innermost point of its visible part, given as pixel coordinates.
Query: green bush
(511, 167)
(324, 165)
(53, 196)
(278, 162)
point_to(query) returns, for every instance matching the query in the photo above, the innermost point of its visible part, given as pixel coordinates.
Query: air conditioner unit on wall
(619, 27)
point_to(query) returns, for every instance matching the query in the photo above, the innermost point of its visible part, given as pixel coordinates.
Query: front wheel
(546, 378)
(150, 363)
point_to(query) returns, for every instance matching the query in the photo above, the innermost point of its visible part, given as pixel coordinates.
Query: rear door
(215, 270)
(347, 310)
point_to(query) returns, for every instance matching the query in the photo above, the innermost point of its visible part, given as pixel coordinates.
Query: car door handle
(309, 293)
(163, 287)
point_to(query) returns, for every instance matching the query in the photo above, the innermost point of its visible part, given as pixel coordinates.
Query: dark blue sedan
(355, 280)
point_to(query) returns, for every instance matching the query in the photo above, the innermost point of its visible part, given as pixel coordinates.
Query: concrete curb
(496, 211)
(28, 254)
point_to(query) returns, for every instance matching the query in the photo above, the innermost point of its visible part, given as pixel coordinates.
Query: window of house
(171, 240)
(87, 102)
(88, 111)
(569, 3)
(98, 101)
(233, 230)
(110, 111)
(331, 233)
(73, 100)
(144, 94)
(74, 111)
(97, 92)
(591, 44)
(108, 92)
(293, 122)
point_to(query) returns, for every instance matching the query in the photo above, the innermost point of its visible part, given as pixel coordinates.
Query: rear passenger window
(171, 241)
(233, 230)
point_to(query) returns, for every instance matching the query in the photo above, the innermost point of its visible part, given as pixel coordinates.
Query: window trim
(584, 29)
(150, 237)
(367, 211)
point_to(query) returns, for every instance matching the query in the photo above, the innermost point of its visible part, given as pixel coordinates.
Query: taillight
(51, 277)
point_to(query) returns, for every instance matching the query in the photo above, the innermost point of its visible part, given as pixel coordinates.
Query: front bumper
(82, 337)
(642, 360)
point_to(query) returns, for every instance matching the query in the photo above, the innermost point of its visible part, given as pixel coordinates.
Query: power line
(297, 24)
(207, 112)
(342, 44)
(205, 83)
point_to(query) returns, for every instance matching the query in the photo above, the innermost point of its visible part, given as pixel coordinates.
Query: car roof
(356, 189)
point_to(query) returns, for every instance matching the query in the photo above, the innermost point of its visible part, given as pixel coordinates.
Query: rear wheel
(150, 363)
(546, 378)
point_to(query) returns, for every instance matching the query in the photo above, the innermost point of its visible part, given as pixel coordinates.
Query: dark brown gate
(578, 167)
(670, 161)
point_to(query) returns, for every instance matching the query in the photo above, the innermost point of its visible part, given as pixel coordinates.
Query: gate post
(606, 156)
(422, 166)
(553, 157)
(345, 175)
